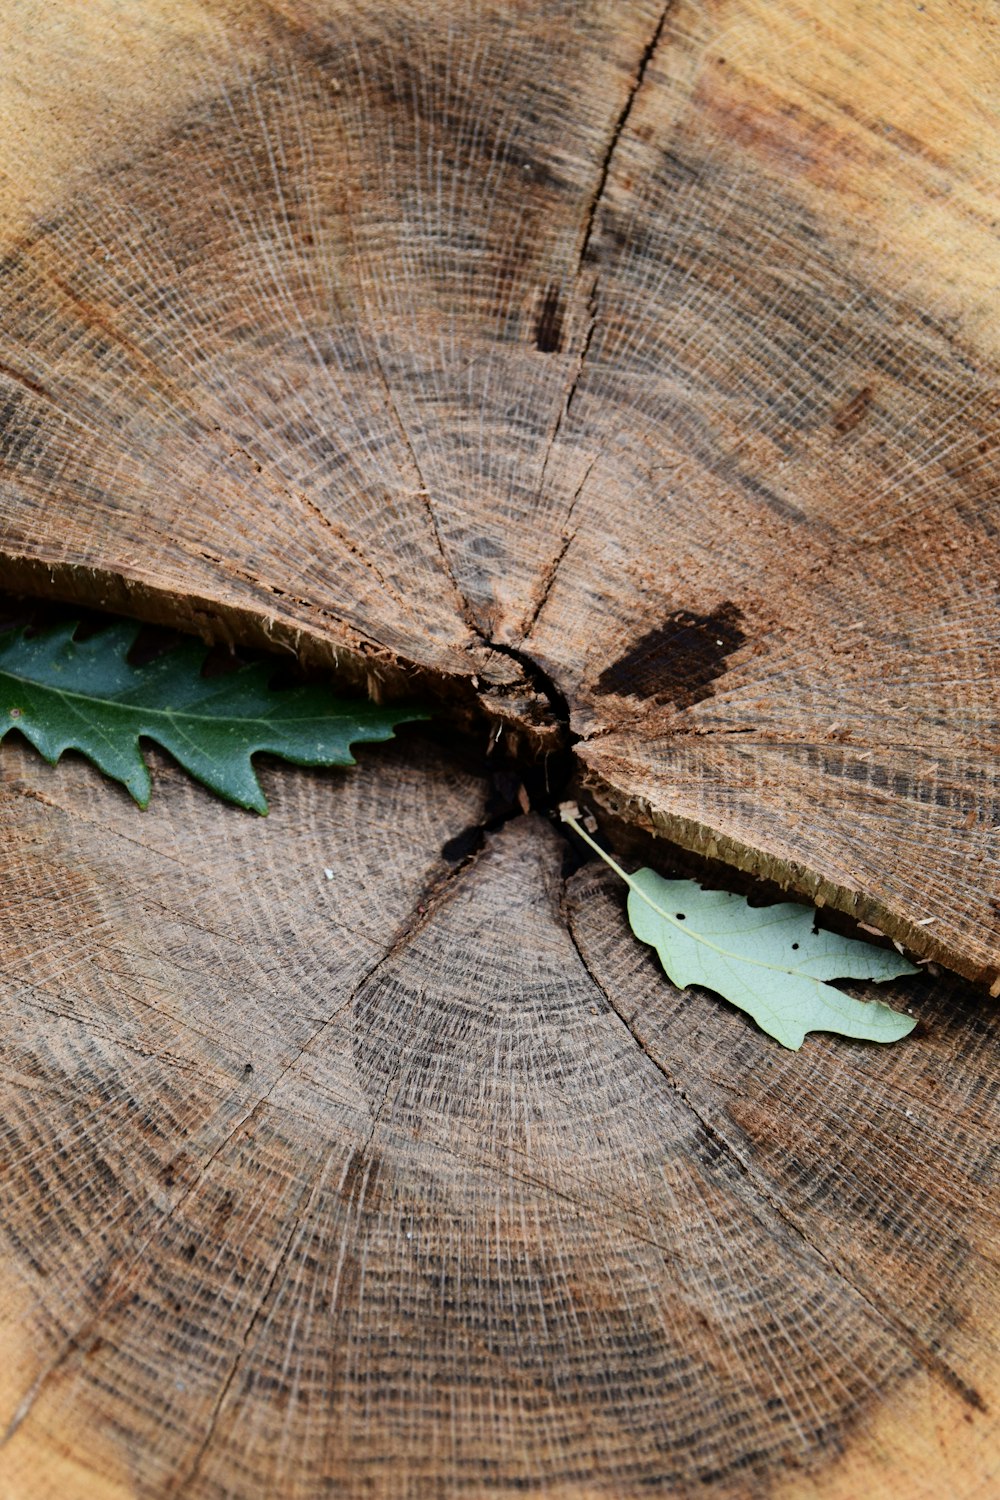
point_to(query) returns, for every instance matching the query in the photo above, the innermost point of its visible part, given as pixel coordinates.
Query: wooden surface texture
(628, 373)
(623, 380)
(423, 1180)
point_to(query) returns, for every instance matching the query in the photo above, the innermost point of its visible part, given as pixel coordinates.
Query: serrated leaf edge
(141, 790)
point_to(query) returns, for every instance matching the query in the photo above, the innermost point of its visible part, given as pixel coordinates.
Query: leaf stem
(688, 931)
(569, 817)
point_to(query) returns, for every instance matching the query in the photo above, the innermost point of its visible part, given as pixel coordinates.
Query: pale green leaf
(768, 960)
(64, 694)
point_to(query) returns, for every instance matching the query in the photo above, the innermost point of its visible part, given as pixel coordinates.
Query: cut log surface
(623, 380)
(628, 372)
(346, 1153)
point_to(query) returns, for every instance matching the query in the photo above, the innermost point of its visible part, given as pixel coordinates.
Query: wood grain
(625, 378)
(488, 351)
(423, 1180)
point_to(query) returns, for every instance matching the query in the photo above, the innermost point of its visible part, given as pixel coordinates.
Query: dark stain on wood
(457, 849)
(549, 323)
(677, 662)
(847, 416)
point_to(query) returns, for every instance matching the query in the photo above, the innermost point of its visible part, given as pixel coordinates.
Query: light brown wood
(423, 1180)
(629, 373)
(623, 379)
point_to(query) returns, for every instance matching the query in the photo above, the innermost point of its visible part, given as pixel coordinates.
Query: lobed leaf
(64, 694)
(771, 961)
(768, 960)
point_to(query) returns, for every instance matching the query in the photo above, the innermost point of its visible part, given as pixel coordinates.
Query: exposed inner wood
(621, 377)
(341, 1155)
(628, 358)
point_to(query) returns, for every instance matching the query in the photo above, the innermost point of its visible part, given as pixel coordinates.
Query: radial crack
(282, 1260)
(569, 534)
(617, 130)
(589, 222)
(910, 1340)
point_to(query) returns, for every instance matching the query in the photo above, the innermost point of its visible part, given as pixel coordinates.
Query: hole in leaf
(680, 916)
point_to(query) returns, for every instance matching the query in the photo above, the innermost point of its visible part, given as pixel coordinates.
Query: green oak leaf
(64, 694)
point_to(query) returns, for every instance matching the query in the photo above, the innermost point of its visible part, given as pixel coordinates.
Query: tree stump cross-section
(624, 375)
(422, 1179)
(623, 380)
